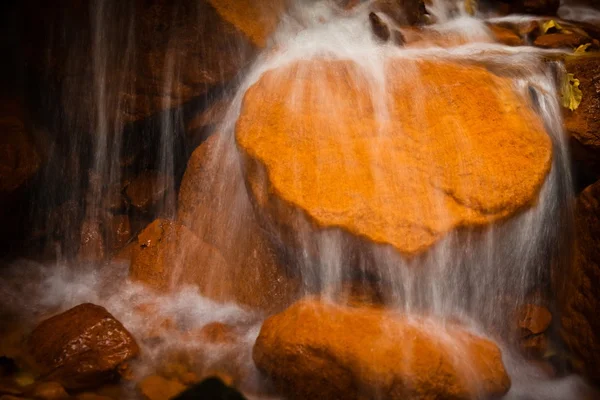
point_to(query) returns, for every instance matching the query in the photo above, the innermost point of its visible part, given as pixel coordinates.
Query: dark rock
(380, 29)
(80, 348)
(560, 40)
(148, 190)
(402, 12)
(579, 293)
(583, 124)
(211, 388)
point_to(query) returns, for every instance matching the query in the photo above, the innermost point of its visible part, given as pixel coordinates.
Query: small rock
(158, 388)
(505, 35)
(380, 29)
(211, 388)
(82, 347)
(48, 391)
(560, 40)
(534, 319)
(534, 345)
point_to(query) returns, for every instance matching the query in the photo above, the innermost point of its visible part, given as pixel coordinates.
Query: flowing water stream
(478, 277)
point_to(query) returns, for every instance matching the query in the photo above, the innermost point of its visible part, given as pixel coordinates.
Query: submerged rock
(456, 147)
(320, 350)
(81, 348)
(158, 388)
(580, 295)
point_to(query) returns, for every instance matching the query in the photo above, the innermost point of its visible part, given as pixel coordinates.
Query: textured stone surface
(153, 55)
(213, 203)
(583, 124)
(457, 148)
(168, 255)
(580, 300)
(81, 347)
(256, 19)
(318, 350)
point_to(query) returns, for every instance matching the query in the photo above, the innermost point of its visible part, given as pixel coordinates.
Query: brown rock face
(583, 124)
(317, 350)
(81, 347)
(256, 19)
(213, 203)
(19, 158)
(153, 56)
(580, 300)
(457, 148)
(168, 255)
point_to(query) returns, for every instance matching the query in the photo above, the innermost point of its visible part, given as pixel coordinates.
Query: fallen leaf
(551, 24)
(582, 49)
(571, 94)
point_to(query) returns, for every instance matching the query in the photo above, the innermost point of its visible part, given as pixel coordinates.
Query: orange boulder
(81, 347)
(439, 146)
(319, 350)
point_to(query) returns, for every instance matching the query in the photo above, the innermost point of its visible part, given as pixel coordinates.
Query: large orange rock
(82, 347)
(214, 204)
(319, 350)
(455, 147)
(580, 295)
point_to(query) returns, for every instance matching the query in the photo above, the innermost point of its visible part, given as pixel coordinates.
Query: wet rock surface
(80, 348)
(329, 181)
(319, 350)
(580, 298)
(583, 124)
(214, 204)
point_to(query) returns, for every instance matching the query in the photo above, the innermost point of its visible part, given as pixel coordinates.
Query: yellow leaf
(551, 24)
(571, 94)
(471, 6)
(24, 379)
(582, 49)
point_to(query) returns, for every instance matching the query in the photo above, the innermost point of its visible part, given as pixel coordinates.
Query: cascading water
(475, 276)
